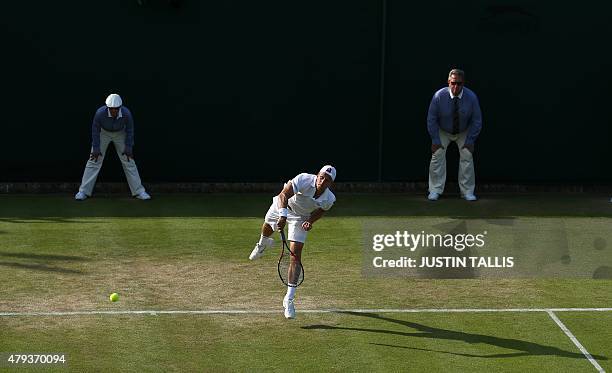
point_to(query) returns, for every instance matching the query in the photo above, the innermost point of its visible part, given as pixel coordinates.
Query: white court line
(315, 311)
(576, 342)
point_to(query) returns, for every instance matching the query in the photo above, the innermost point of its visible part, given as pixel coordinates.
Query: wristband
(283, 212)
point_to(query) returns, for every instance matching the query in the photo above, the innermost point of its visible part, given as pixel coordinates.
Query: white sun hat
(113, 101)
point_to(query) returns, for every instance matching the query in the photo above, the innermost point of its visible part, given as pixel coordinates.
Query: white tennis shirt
(304, 189)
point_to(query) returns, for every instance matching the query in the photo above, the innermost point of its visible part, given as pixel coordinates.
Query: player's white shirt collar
(120, 115)
(460, 95)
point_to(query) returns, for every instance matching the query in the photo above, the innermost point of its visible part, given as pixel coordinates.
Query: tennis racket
(290, 269)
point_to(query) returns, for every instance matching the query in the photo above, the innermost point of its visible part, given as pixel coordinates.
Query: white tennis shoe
(289, 308)
(260, 247)
(257, 251)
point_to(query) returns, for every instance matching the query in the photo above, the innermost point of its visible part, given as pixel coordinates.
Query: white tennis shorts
(294, 222)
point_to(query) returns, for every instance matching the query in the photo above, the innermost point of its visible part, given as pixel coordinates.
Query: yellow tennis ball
(114, 297)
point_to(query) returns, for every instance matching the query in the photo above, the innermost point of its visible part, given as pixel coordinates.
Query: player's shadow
(523, 348)
(43, 262)
(40, 267)
(71, 258)
(42, 220)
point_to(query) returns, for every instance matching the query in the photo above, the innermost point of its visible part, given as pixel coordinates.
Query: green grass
(190, 253)
(344, 342)
(593, 331)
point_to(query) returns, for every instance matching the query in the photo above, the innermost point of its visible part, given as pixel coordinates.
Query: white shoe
(143, 196)
(289, 308)
(433, 196)
(470, 197)
(80, 196)
(257, 251)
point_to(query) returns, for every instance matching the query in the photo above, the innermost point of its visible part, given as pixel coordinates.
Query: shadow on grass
(523, 348)
(40, 267)
(42, 220)
(45, 257)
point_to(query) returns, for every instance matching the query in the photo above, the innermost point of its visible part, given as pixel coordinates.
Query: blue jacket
(440, 115)
(123, 122)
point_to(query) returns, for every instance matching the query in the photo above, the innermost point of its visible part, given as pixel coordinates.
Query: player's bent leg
(266, 230)
(264, 241)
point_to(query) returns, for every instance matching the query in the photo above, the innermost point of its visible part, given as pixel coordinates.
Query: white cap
(330, 170)
(114, 100)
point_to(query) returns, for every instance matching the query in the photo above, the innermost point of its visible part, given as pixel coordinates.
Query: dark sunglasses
(456, 83)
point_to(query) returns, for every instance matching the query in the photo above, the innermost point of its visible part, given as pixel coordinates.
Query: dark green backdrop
(258, 91)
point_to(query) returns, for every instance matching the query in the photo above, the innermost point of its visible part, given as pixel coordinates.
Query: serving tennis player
(303, 200)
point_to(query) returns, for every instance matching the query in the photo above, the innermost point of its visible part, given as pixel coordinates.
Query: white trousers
(92, 168)
(437, 166)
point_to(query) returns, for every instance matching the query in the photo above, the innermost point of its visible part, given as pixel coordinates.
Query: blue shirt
(440, 115)
(103, 120)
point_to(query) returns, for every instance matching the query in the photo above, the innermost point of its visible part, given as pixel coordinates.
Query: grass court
(190, 300)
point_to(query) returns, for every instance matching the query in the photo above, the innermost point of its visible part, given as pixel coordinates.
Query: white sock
(263, 240)
(290, 292)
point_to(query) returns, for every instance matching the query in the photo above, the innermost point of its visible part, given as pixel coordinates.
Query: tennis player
(303, 200)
